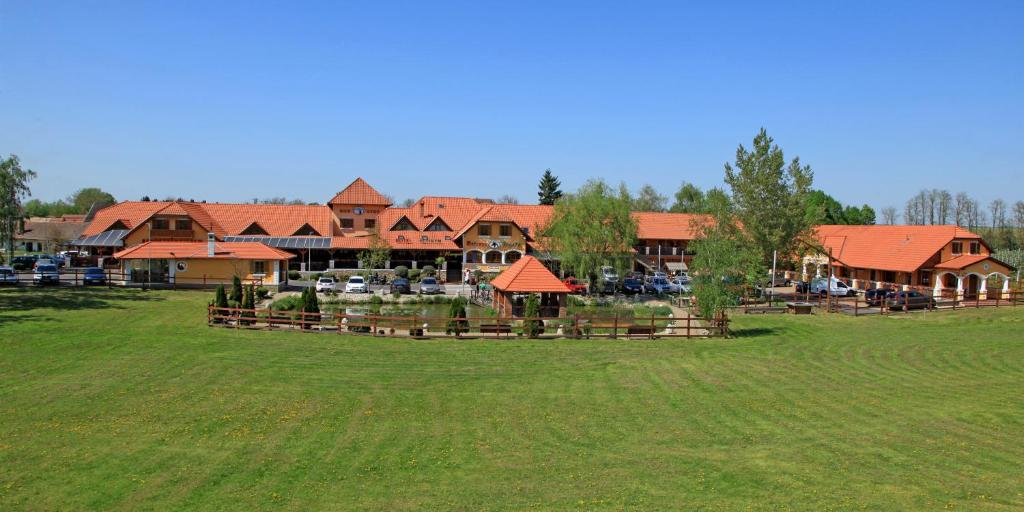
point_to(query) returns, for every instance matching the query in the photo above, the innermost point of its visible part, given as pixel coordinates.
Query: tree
(649, 200)
(689, 199)
(824, 209)
(310, 304)
(248, 304)
(402, 271)
(376, 254)
(549, 189)
(867, 215)
(507, 199)
(85, 198)
(408, 203)
(889, 215)
(945, 207)
(220, 301)
(725, 260)
(592, 228)
(532, 325)
(769, 197)
(236, 290)
(961, 209)
(998, 210)
(13, 189)
(457, 323)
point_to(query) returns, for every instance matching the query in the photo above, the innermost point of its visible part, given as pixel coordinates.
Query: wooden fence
(416, 326)
(859, 305)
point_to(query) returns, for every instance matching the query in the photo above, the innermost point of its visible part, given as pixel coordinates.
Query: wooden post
(615, 326)
(651, 335)
(688, 318)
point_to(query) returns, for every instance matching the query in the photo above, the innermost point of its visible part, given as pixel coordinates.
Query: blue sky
(230, 101)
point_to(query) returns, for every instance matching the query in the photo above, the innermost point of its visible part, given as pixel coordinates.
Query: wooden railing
(859, 305)
(576, 326)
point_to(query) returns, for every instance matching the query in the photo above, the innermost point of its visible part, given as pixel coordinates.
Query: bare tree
(889, 215)
(944, 203)
(931, 206)
(507, 199)
(961, 209)
(997, 209)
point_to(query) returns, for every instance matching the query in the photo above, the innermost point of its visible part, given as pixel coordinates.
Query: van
(820, 285)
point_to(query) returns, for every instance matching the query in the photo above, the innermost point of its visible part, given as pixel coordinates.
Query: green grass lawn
(121, 399)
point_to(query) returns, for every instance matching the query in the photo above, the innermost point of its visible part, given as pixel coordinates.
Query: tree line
(1000, 223)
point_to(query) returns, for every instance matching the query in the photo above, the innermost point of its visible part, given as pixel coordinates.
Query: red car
(575, 286)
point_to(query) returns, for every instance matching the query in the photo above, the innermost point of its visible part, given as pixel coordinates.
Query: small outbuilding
(517, 282)
(203, 264)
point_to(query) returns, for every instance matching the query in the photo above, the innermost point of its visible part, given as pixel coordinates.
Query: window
(958, 247)
(259, 267)
(161, 224)
(492, 257)
(183, 224)
(404, 224)
(370, 223)
(254, 229)
(512, 257)
(306, 230)
(347, 223)
(505, 230)
(438, 225)
(975, 247)
(926, 278)
(873, 278)
(483, 230)
(888, 277)
(474, 257)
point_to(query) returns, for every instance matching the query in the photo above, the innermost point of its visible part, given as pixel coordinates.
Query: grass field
(118, 399)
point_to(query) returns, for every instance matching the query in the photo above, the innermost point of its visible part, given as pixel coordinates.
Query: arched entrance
(971, 285)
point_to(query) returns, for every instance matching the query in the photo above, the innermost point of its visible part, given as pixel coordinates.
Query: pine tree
(550, 188)
(457, 323)
(220, 300)
(236, 291)
(248, 304)
(531, 326)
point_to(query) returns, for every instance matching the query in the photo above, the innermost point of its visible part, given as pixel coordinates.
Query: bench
(765, 310)
(638, 330)
(799, 308)
(495, 329)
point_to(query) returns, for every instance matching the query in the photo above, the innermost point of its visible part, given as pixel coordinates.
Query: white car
(609, 274)
(679, 285)
(325, 284)
(838, 288)
(356, 284)
(8, 276)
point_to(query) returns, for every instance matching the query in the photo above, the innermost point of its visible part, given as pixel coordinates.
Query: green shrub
(531, 327)
(402, 271)
(262, 293)
(429, 271)
(289, 303)
(236, 290)
(414, 274)
(294, 275)
(376, 299)
(457, 323)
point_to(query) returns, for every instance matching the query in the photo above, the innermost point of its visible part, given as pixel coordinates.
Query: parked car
(575, 285)
(356, 284)
(632, 286)
(875, 296)
(400, 285)
(43, 260)
(659, 285)
(778, 280)
(836, 288)
(909, 300)
(8, 275)
(606, 288)
(430, 286)
(46, 274)
(657, 274)
(326, 284)
(679, 285)
(801, 287)
(94, 275)
(24, 262)
(609, 274)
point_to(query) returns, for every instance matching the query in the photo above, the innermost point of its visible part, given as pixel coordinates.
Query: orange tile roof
(359, 192)
(350, 242)
(893, 248)
(668, 226)
(966, 260)
(222, 218)
(528, 275)
(198, 250)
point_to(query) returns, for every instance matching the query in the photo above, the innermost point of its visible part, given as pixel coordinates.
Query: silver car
(430, 286)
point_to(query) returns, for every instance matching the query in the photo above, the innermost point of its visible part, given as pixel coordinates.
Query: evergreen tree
(550, 188)
(532, 326)
(248, 304)
(220, 300)
(457, 323)
(236, 291)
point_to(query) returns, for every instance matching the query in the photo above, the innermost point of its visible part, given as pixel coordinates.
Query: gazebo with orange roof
(526, 276)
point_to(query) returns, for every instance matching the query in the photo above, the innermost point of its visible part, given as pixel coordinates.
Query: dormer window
(161, 224)
(306, 230)
(958, 247)
(483, 230)
(424, 238)
(254, 229)
(437, 225)
(505, 230)
(975, 247)
(404, 224)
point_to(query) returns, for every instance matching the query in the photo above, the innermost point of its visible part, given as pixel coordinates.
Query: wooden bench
(495, 329)
(762, 310)
(640, 330)
(799, 308)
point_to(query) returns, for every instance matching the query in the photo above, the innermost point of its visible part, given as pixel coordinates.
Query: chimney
(209, 244)
(422, 208)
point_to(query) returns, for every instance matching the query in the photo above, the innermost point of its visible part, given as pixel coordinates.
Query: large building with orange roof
(948, 260)
(466, 233)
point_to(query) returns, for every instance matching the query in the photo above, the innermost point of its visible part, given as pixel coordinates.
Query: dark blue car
(632, 286)
(94, 275)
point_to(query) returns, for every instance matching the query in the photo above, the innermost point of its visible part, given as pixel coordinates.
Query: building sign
(485, 244)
